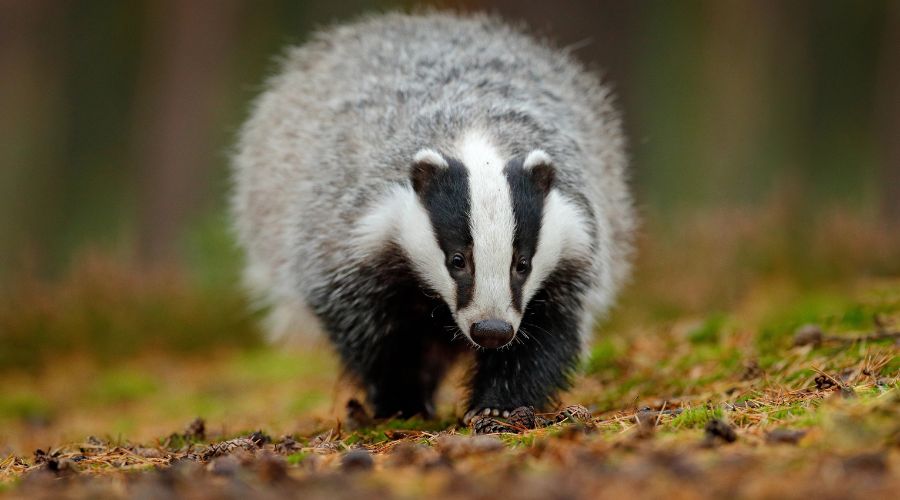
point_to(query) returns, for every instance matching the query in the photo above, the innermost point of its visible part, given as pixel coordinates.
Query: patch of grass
(694, 418)
(296, 458)
(708, 332)
(123, 426)
(811, 418)
(122, 386)
(892, 368)
(833, 313)
(367, 436)
(727, 359)
(10, 485)
(176, 441)
(518, 440)
(25, 405)
(110, 311)
(307, 400)
(618, 394)
(208, 402)
(778, 328)
(856, 317)
(410, 424)
(789, 411)
(273, 365)
(414, 423)
(604, 357)
(860, 425)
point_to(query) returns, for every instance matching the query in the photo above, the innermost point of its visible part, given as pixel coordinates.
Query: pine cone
(523, 417)
(489, 425)
(574, 413)
(824, 382)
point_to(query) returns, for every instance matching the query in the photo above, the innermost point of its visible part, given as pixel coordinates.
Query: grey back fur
(341, 120)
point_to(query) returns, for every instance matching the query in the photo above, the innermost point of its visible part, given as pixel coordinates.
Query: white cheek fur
(564, 234)
(399, 217)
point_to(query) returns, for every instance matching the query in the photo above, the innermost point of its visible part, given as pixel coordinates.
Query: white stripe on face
(563, 235)
(492, 224)
(400, 216)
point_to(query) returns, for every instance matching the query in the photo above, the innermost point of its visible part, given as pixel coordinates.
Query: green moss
(518, 440)
(799, 414)
(603, 358)
(613, 397)
(833, 313)
(727, 360)
(120, 386)
(211, 402)
(379, 432)
(692, 418)
(307, 400)
(175, 441)
(367, 436)
(811, 418)
(296, 458)
(122, 426)
(747, 396)
(892, 368)
(709, 331)
(777, 329)
(856, 317)
(7, 486)
(110, 315)
(789, 411)
(415, 424)
(25, 406)
(276, 365)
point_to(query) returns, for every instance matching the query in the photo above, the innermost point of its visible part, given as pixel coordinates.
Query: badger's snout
(492, 333)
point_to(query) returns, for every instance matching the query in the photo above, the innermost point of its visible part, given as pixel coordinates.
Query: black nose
(492, 333)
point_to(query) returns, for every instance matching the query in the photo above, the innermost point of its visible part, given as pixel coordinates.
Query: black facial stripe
(446, 198)
(528, 205)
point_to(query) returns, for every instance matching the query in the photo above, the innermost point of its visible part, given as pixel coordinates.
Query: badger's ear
(426, 163)
(541, 170)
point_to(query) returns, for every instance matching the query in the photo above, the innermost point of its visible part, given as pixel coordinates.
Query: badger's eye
(458, 261)
(523, 266)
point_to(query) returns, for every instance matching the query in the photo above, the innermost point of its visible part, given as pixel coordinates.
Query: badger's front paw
(484, 412)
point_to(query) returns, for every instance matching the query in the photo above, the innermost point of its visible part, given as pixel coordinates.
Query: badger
(430, 187)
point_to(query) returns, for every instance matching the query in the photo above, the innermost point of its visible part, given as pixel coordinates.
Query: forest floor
(787, 389)
(777, 399)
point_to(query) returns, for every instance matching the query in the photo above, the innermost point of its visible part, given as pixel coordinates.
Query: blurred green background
(118, 116)
(765, 138)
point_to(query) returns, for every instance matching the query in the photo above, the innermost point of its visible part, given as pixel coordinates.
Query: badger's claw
(486, 412)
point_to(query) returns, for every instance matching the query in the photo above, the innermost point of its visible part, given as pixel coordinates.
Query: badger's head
(484, 231)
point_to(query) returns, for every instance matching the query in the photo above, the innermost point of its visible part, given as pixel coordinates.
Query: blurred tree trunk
(30, 128)
(179, 92)
(738, 54)
(889, 109)
(599, 32)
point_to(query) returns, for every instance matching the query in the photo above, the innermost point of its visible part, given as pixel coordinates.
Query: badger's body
(422, 184)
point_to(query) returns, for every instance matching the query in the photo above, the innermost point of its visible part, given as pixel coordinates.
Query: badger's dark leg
(540, 361)
(402, 372)
(390, 334)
